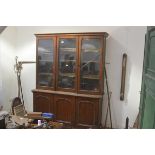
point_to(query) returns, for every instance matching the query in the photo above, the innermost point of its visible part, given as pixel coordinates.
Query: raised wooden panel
(64, 108)
(43, 102)
(87, 112)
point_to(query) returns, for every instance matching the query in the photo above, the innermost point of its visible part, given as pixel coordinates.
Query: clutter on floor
(34, 120)
(3, 119)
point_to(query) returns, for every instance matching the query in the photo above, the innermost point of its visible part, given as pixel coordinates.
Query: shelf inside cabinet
(43, 52)
(90, 61)
(68, 49)
(91, 77)
(67, 61)
(91, 50)
(46, 74)
(44, 83)
(72, 75)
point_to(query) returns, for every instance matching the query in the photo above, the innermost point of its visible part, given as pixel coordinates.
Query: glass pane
(89, 67)
(45, 62)
(91, 44)
(67, 63)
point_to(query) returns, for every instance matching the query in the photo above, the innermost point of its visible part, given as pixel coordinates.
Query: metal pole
(108, 96)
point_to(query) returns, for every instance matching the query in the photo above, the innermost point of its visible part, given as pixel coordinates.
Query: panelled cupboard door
(147, 105)
(43, 102)
(64, 107)
(87, 112)
(45, 62)
(91, 64)
(67, 49)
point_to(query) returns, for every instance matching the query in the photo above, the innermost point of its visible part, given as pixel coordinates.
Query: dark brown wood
(65, 109)
(77, 34)
(75, 107)
(67, 93)
(43, 102)
(87, 114)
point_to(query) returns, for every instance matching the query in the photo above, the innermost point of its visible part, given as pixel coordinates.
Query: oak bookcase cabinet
(69, 77)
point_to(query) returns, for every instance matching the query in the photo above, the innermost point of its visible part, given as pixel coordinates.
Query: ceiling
(2, 28)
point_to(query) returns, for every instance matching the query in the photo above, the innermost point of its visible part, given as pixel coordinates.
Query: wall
(8, 76)
(0, 79)
(122, 39)
(128, 40)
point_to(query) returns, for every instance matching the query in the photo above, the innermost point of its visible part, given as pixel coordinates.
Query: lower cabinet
(43, 102)
(64, 107)
(87, 112)
(73, 111)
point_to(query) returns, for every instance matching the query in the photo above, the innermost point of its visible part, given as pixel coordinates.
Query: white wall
(0, 78)
(122, 39)
(128, 40)
(8, 77)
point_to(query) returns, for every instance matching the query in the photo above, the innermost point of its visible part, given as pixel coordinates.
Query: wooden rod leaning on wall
(124, 62)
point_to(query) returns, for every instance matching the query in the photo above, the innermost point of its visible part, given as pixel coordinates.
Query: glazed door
(91, 64)
(67, 63)
(45, 62)
(147, 106)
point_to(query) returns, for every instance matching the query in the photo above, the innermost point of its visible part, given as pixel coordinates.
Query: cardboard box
(34, 115)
